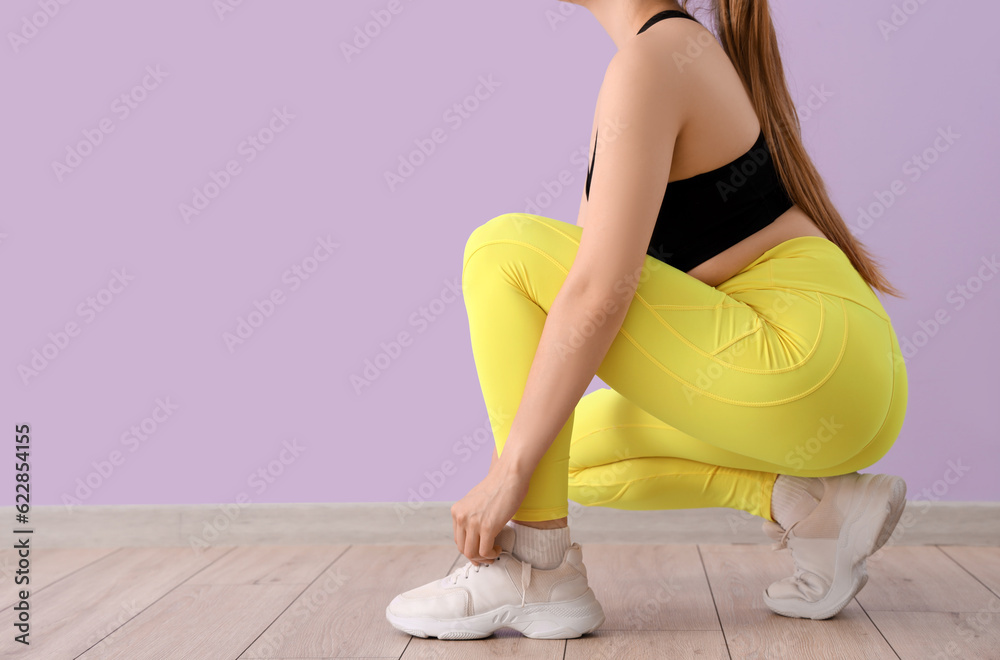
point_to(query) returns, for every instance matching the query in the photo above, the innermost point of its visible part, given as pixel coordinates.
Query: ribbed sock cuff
(542, 548)
(792, 499)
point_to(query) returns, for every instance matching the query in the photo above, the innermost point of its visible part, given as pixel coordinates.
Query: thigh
(608, 428)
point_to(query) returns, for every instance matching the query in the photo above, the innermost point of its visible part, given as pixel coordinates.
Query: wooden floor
(661, 601)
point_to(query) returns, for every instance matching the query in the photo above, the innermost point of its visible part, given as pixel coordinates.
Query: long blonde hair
(746, 32)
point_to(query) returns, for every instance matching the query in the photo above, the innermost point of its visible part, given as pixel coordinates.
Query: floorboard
(79, 610)
(738, 576)
(48, 565)
(328, 601)
(922, 579)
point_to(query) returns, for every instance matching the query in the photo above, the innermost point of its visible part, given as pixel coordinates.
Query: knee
(505, 225)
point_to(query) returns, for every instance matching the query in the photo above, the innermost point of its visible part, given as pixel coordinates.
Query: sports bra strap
(667, 13)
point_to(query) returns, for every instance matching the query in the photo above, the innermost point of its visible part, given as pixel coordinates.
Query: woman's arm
(562, 369)
(639, 95)
(559, 374)
(493, 461)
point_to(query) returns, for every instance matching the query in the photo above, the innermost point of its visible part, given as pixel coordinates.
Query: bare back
(720, 126)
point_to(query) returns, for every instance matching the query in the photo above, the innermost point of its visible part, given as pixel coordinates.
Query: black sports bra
(707, 213)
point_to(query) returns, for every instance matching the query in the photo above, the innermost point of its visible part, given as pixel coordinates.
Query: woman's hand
(482, 513)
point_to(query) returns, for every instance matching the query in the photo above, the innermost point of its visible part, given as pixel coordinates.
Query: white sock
(794, 498)
(542, 548)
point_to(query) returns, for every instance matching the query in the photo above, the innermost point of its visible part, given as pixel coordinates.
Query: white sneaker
(475, 601)
(854, 518)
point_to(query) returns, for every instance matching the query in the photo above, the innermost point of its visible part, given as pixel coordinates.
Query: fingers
(487, 552)
(486, 548)
(476, 546)
(471, 548)
(467, 541)
(479, 549)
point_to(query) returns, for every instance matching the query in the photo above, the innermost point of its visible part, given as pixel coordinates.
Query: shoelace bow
(525, 572)
(783, 542)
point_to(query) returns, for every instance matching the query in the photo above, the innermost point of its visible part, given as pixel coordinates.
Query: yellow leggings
(790, 366)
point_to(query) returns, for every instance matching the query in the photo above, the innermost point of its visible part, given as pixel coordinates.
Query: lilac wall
(309, 214)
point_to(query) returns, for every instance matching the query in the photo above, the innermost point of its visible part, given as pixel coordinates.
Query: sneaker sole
(560, 620)
(855, 545)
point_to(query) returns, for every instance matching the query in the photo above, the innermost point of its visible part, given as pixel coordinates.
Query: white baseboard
(923, 523)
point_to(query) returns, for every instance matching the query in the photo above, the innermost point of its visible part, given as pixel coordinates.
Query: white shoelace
(783, 542)
(801, 576)
(525, 573)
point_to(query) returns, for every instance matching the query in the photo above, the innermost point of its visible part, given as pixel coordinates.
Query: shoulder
(664, 54)
(661, 61)
(642, 81)
(634, 61)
